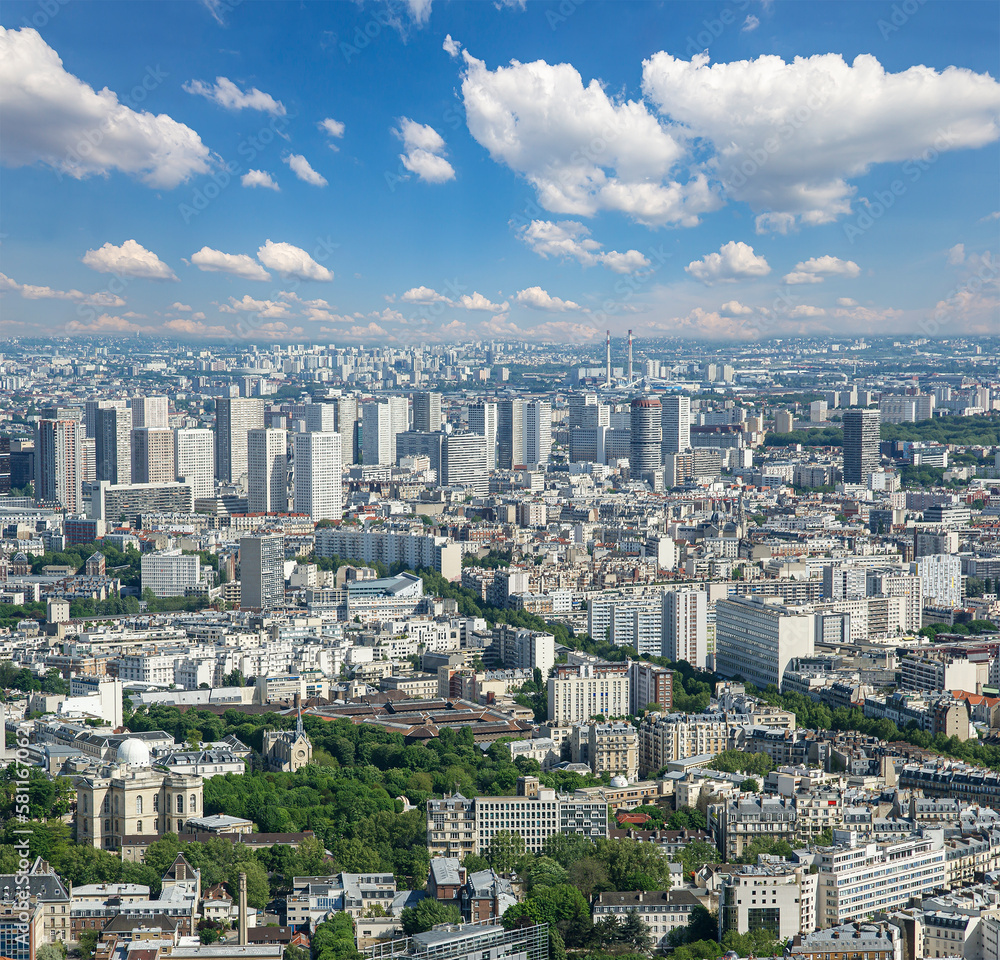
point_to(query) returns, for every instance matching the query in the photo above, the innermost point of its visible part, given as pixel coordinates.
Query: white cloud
(846, 302)
(475, 301)
(733, 308)
(301, 168)
(424, 148)
(805, 310)
(538, 299)
(451, 47)
(131, 259)
(259, 178)
(420, 10)
(478, 302)
(750, 24)
(818, 268)
(581, 150)
(995, 215)
(105, 323)
(734, 261)
(332, 128)
(788, 137)
(30, 291)
(570, 238)
(238, 264)
(226, 94)
(956, 254)
(424, 295)
(51, 117)
(188, 326)
(291, 261)
(270, 309)
(180, 307)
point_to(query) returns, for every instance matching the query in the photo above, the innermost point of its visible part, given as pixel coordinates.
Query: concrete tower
(630, 356)
(646, 429)
(607, 382)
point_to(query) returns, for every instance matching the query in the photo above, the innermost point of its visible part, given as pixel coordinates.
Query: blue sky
(540, 171)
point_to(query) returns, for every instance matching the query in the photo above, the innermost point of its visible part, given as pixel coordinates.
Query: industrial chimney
(243, 909)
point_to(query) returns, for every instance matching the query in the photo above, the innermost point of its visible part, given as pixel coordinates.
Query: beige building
(132, 797)
(287, 750)
(607, 747)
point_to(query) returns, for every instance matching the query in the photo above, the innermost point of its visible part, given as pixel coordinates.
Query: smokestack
(608, 351)
(243, 910)
(630, 356)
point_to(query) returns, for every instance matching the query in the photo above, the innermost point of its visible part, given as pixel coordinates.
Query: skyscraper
(463, 462)
(861, 444)
(152, 455)
(347, 427)
(262, 572)
(194, 459)
(234, 416)
(319, 475)
(321, 417)
(483, 420)
(113, 444)
(58, 466)
(149, 412)
(537, 432)
(685, 626)
(267, 470)
(510, 434)
(646, 432)
(90, 409)
(426, 412)
(676, 423)
(381, 420)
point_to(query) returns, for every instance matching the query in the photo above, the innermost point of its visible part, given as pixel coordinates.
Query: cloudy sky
(425, 170)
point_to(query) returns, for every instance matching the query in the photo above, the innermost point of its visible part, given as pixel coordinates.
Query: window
(156, 803)
(138, 827)
(180, 803)
(194, 804)
(107, 805)
(138, 806)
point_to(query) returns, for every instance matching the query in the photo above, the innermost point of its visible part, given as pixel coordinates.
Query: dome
(133, 753)
(619, 782)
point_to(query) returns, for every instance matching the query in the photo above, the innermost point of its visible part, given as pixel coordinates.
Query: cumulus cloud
(30, 291)
(818, 268)
(570, 238)
(733, 308)
(291, 261)
(581, 150)
(956, 254)
(805, 310)
(846, 302)
(425, 149)
(270, 309)
(478, 302)
(371, 332)
(51, 117)
(105, 323)
(424, 295)
(734, 261)
(750, 24)
(451, 47)
(180, 307)
(227, 94)
(536, 298)
(301, 168)
(185, 326)
(789, 137)
(475, 301)
(332, 128)
(238, 264)
(131, 259)
(258, 178)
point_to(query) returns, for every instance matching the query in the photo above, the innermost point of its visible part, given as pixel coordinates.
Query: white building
(194, 460)
(381, 420)
(780, 896)
(578, 693)
(267, 470)
(170, 573)
(319, 475)
(483, 420)
(756, 638)
(685, 627)
(941, 579)
(537, 431)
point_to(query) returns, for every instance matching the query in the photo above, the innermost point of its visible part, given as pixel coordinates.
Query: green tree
(750, 785)
(426, 914)
(88, 943)
(505, 851)
(51, 951)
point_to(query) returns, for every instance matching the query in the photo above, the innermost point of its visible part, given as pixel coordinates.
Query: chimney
(243, 910)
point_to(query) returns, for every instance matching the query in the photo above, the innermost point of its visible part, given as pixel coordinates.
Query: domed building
(132, 797)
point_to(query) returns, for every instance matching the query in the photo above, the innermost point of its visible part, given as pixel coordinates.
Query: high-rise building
(90, 409)
(685, 626)
(152, 455)
(675, 413)
(510, 434)
(321, 417)
(262, 572)
(483, 420)
(537, 432)
(194, 460)
(645, 454)
(149, 412)
(861, 444)
(463, 462)
(426, 412)
(113, 444)
(234, 416)
(347, 427)
(267, 470)
(381, 420)
(756, 639)
(58, 465)
(784, 422)
(319, 475)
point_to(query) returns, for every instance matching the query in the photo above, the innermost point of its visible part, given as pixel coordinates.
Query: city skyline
(400, 173)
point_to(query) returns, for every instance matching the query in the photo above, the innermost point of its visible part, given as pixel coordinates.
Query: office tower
(152, 455)
(381, 421)
(234, 416)
(409, 443)
(113, 444)
(90, 409)
(347, 427)
(149, 412)
(58, 465)
(861, 444)
(267, 470)
(685, 627)
(463, 462)
(319, 475)
(426, 412)
(321, 417)
(194, 460)
(675, 418)
(585, 410)
(483, 420)
(510, 434)
(818, 411)
(646, 428)
(537, 432)
(262, 572)
(756, 639)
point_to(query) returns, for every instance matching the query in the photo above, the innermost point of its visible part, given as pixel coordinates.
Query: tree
(88, 943)
(258, 889)
(545, 872)
(51, 951)
(505, 851)
(750, 786)
(635, 932)
(589, 876)
(695, 855)
(426, 914)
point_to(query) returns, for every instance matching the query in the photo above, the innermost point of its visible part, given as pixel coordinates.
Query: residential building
(415, 550)
(234, 417)
(861, 444)
(152, 455)
(267, 470)
(738, 822)
(663, 911)
(483, 420)
(537, 432)
(58, 463)
(113, 444)
(194, 460)
(649, 684)
(577, 693)
(262, 572)
(426, 412)
(675, 411)
(776, 896)
(464, 462)
(319, 475)
(611, 748)
(170, 573)
(685, 627)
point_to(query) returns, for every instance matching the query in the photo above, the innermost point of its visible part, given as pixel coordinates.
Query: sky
(428, 171)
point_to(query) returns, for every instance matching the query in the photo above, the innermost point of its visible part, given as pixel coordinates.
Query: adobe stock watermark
(94, 137)
(47, 9)
(557, 15)
(986, 275)
(899, 17)
(885, 200)
(715, 27)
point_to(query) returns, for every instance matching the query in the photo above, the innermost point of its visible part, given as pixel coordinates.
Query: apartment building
(663, 739)
(780, 897)
(738, 822)
(577, 693)
(611, 748)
